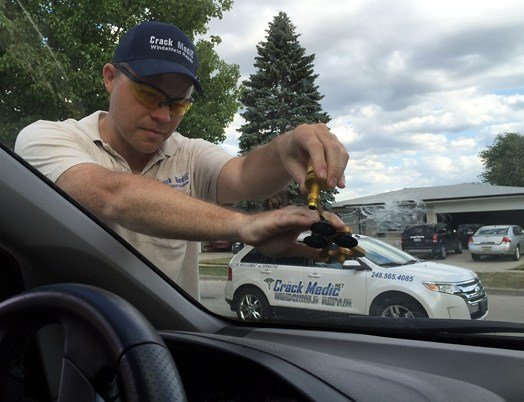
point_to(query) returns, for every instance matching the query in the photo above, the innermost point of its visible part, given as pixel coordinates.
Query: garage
(489, 218)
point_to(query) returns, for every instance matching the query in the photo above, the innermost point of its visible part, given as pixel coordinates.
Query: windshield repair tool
(323, 232)
(342, 253)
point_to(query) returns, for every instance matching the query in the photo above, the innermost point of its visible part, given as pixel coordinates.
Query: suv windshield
(425, 231)
(493, 231)
(385, 255)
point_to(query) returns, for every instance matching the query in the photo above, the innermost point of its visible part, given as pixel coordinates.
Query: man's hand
(316, 143)
(275, 233)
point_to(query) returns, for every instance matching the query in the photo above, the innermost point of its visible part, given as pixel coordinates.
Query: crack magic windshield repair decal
(312, 293)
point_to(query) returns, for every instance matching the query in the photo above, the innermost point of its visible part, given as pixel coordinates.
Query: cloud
(415, 89)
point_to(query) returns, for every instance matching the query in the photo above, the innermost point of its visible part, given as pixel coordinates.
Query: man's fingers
(271, 225)
(316, 149)
(335, 158)
(304, 251)
(334, 220)
(327, 154)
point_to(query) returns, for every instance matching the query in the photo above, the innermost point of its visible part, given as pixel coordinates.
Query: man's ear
(109, 73)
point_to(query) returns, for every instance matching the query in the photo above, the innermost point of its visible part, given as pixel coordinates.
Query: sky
(415, 89)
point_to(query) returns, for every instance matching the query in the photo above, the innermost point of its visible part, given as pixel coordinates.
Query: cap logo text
(167, 45)
(158, 41)
(187, 51)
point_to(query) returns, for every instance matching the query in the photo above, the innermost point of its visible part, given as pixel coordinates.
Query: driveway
(486, 264)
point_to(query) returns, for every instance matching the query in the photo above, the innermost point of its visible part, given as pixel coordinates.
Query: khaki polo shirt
(188, 165)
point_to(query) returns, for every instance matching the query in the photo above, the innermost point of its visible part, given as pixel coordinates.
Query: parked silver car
(497, 240)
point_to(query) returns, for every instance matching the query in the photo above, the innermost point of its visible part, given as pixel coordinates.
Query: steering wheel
(107, 342)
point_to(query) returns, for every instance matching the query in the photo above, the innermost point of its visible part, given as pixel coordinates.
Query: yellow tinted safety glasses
(153, 98)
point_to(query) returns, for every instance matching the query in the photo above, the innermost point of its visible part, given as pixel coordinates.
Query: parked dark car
(431, 239)
(217, 245)
(466, 230)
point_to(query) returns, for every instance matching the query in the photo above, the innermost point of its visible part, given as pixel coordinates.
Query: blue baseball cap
(157, 48)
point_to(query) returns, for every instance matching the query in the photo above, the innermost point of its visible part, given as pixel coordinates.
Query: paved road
(504, 307)
(212, 296)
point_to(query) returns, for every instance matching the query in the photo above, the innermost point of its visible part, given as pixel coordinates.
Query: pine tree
(281, 94)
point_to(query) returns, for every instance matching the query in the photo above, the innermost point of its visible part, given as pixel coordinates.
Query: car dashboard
(288, 365)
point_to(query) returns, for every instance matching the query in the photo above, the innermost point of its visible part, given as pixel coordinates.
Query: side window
(517, 230)
(257, 257)
(330, 264)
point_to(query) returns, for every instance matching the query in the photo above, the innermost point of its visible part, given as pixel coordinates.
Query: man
(160, 190)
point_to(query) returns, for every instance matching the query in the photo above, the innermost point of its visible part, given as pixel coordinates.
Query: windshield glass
(493, 231)
(426, 231)
(383, 254)
(194, 135)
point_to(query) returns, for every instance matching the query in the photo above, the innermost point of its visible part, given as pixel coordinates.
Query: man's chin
(149, 147)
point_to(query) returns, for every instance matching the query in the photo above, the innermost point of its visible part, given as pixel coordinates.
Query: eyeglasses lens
(153, 99)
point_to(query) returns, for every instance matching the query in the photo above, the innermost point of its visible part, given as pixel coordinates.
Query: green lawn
(216, 261)
(214, 266)
(213, 270)
(508, 280)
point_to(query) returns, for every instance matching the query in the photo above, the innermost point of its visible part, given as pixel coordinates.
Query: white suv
(386, 282)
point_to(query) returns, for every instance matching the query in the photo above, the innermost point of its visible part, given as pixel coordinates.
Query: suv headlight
(450, 288)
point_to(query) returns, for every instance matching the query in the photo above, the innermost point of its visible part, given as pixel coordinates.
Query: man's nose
(162, 114)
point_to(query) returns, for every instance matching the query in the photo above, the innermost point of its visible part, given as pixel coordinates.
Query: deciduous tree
(52, 53)
(504, 161)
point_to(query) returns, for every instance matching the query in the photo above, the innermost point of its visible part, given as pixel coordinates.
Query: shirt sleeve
(207, 160)
(53, 147)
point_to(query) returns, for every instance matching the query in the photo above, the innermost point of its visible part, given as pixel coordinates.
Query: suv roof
(424, 228)
(427, 225)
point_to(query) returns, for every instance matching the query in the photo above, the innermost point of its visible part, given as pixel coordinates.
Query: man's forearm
(148, 206)
(171, 214)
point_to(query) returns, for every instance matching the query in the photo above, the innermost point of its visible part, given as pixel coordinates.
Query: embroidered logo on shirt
(177, 182)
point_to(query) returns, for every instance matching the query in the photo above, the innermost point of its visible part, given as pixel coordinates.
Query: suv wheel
(252, 305)
(459, 248)
(398, 307)
(475, 257)
(441, 254)
(516, 256)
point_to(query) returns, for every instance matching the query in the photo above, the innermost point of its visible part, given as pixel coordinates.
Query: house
(386, 215)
